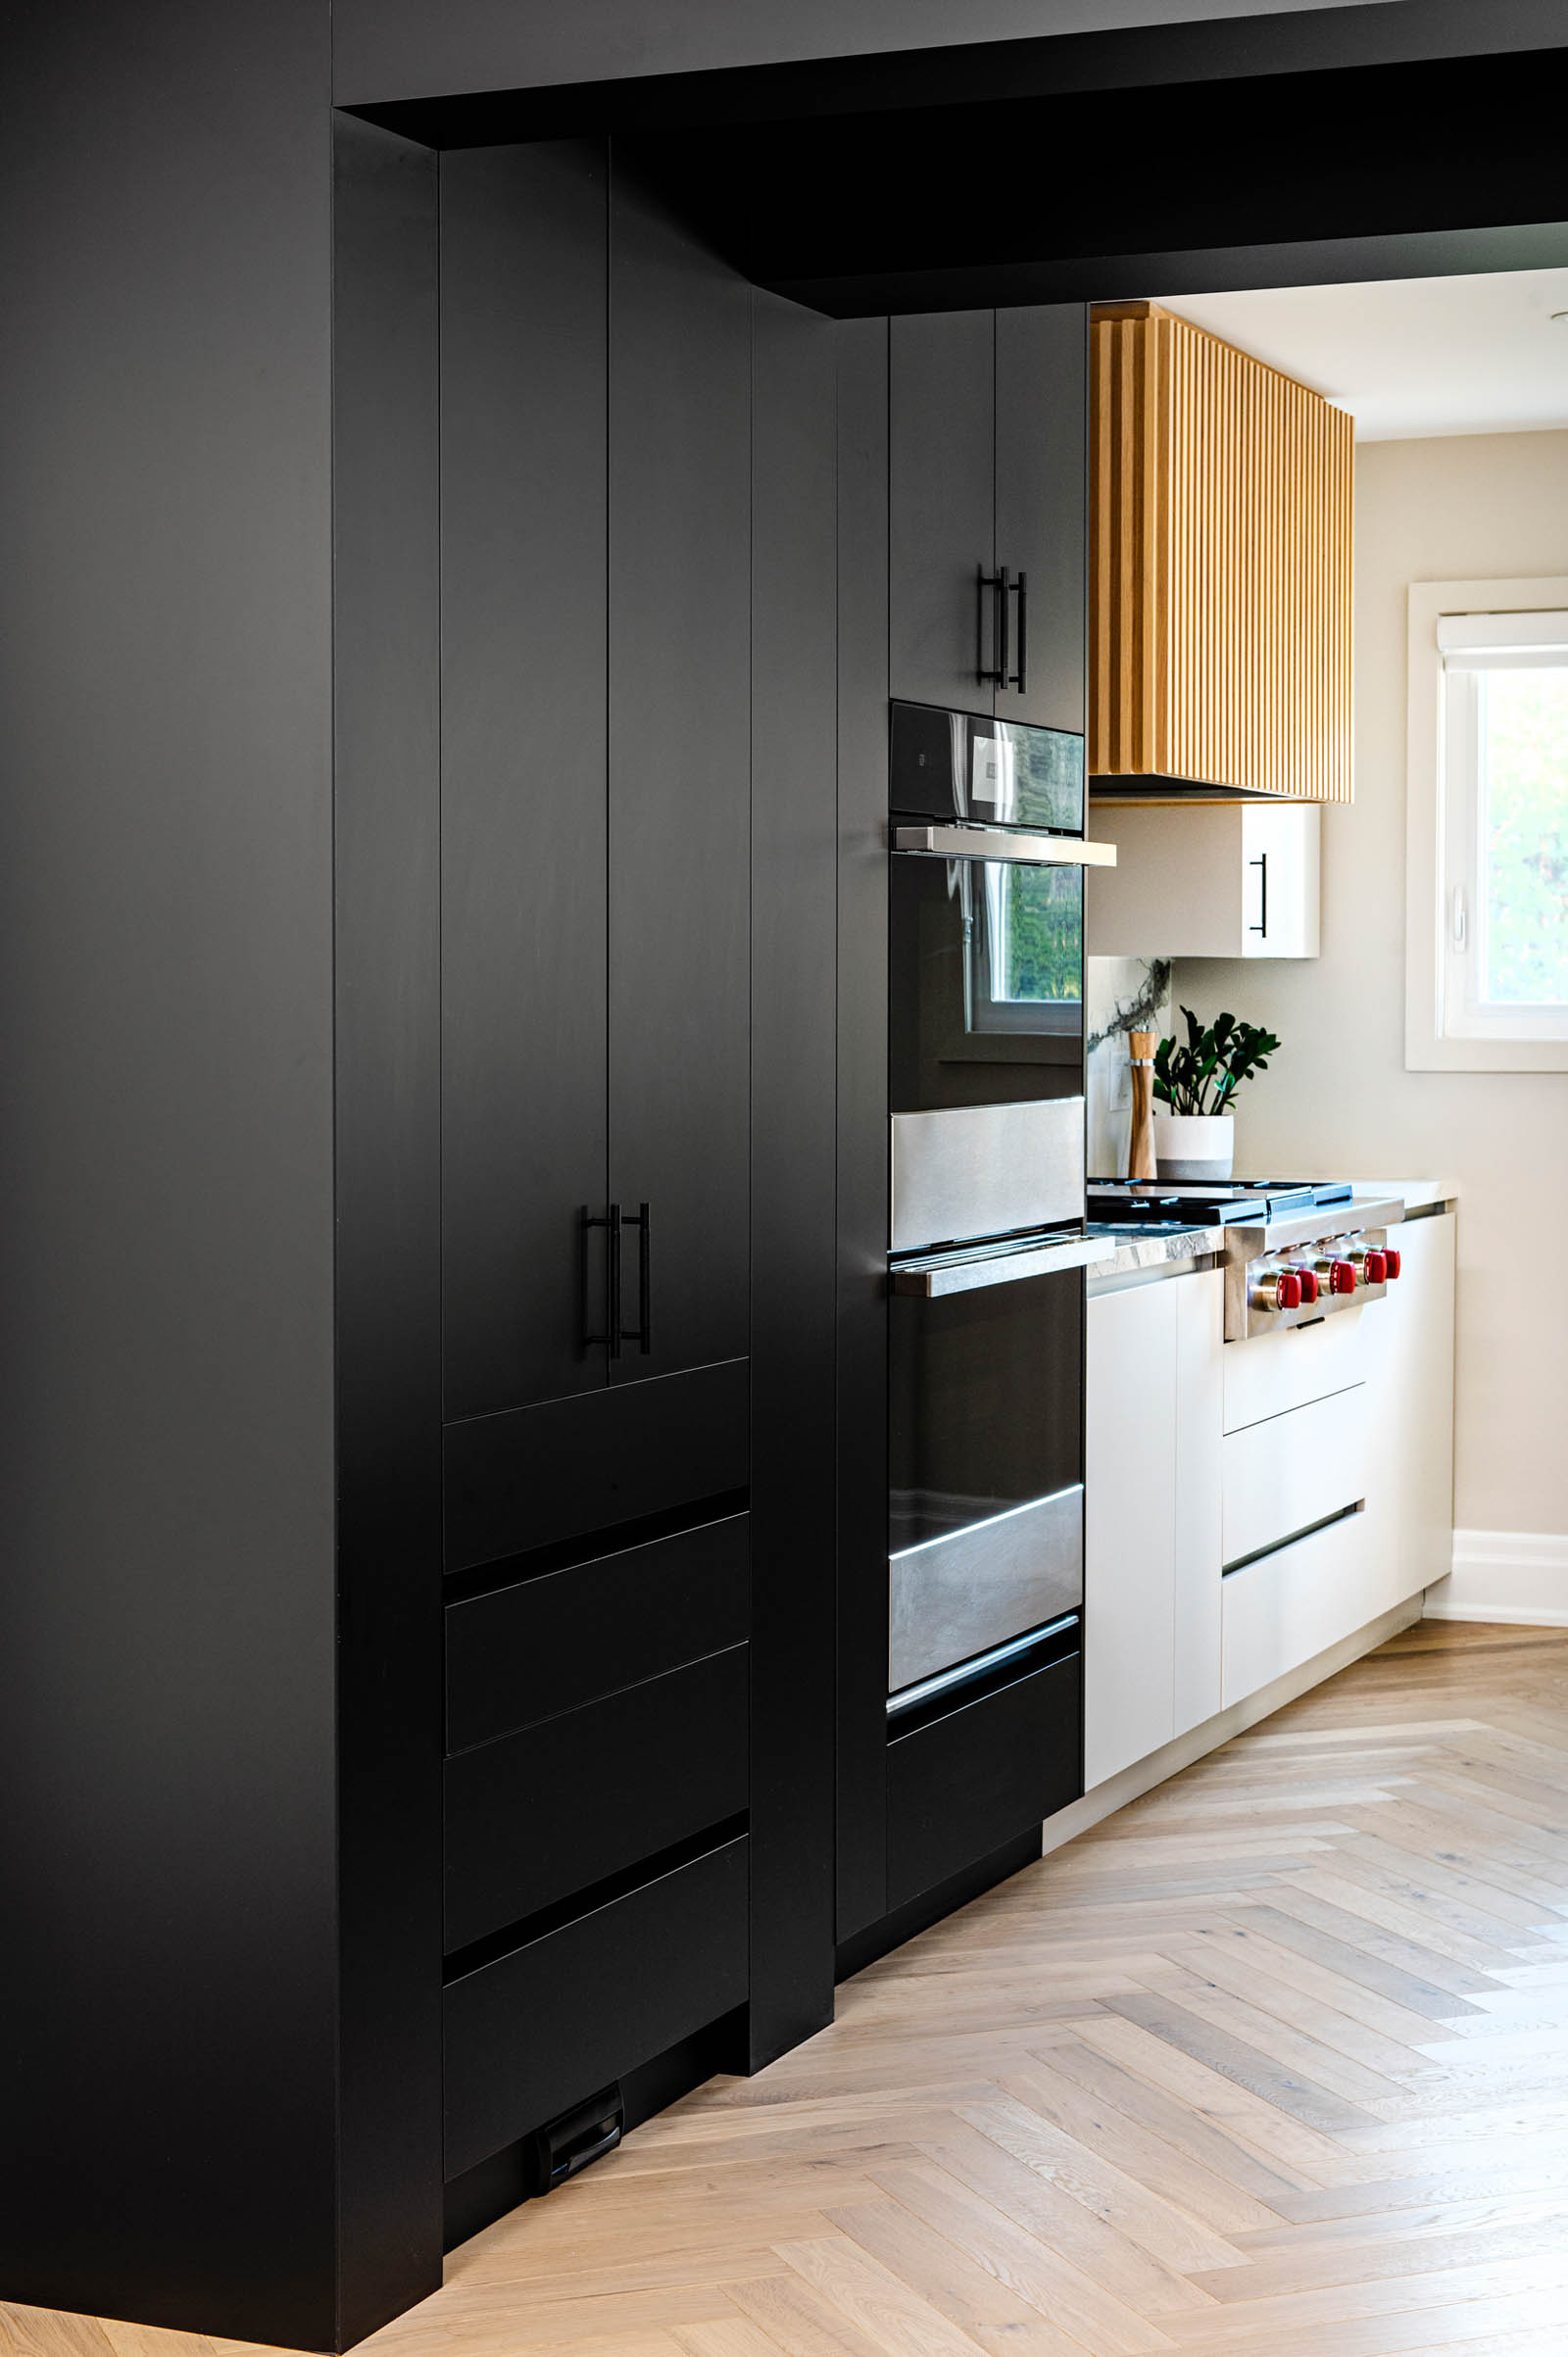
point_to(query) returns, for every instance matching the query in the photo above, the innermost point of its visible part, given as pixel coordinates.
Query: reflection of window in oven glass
(1026, 946)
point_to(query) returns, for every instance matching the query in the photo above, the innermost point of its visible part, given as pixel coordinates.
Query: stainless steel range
(1294, 1252)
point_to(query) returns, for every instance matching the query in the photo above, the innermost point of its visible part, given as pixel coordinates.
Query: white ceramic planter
(1194, 1146)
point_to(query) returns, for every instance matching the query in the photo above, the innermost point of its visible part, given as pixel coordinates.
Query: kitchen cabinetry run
(1208, 880)
(987, 498)
(1152, 1569)
(1219, 565)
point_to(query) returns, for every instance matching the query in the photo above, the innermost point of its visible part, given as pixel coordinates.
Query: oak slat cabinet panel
(1220, 565)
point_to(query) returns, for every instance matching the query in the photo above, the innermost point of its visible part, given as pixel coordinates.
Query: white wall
(1338, 1100)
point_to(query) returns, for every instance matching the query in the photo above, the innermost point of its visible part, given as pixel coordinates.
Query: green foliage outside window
(1524, 819)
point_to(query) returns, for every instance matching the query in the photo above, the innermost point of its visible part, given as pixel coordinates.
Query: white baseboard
(1143, 1774)
(1517, 1577)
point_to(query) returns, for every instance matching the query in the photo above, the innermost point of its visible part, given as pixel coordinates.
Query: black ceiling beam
(1174, 160)
(1392, 32)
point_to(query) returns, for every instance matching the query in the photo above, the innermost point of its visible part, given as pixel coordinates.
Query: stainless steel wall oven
(985, 1192)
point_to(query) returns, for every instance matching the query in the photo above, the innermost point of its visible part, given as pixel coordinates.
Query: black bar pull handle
(1020, 677)
(996, 583)
(1262, 864)
(642, 1334)
(611, 1337)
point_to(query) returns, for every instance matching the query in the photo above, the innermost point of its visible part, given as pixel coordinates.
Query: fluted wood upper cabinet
(1220, 517)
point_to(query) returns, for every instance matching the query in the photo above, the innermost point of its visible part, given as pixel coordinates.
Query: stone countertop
(1137, 1253)
(1419, 1195)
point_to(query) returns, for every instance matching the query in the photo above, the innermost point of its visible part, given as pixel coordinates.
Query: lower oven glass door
(985, 1513)
(985, 981)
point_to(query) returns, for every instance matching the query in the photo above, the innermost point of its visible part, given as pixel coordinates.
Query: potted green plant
(1195, 1083)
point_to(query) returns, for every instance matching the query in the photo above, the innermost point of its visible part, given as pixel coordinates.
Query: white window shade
(1502, 642)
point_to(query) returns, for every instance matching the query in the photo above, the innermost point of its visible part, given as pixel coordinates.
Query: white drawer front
(1272, 1373)
(1281, 1476)
(1285, 1608)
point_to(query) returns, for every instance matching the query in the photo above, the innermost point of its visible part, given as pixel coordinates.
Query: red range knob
(1290, 1289)
(1308, 1282)
(1391, 1262)
(1341, 1276)
(1375, 1268)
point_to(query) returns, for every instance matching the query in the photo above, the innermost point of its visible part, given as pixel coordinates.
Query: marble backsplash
(1121, 995)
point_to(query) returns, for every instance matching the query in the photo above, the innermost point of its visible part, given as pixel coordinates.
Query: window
(1489, 826)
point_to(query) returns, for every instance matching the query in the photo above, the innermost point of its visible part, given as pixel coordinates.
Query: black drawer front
(569, 1467)
(539, 1815)
(566, 1638)
(550, 2023)
(960, 1785)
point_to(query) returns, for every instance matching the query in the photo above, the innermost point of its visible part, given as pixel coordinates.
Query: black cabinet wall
(988, 471)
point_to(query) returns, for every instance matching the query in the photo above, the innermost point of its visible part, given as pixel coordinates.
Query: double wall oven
(987, 1246)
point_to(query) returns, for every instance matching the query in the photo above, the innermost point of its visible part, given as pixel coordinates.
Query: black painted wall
(167, 1839)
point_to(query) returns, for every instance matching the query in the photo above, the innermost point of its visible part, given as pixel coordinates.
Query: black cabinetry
(637, 461)
(988, 473)
(596, 430)
(596, 469)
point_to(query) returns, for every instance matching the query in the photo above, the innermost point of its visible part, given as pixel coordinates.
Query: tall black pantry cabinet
(637, 712)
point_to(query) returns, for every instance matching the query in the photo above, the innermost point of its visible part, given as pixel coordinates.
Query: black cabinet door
(1041, 462)
(941, 506)
(523, 447)
(679, 784)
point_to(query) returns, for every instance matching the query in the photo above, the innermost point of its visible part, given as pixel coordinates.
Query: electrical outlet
(1122, 1096)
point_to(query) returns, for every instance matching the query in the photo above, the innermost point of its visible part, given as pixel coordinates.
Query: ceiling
(1412, 357)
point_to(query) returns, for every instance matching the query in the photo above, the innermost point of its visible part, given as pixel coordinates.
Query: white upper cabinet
(1233, 880)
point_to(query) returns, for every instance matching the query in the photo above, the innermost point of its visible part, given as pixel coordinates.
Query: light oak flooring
(1272, 2064)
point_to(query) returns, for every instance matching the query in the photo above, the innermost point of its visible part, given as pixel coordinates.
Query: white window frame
(1428, 1048)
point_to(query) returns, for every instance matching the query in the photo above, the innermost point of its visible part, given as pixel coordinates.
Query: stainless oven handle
(995, 843)
(930, 1280)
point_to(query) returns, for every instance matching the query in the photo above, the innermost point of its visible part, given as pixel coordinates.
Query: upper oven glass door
(958, 765)
(986, 982)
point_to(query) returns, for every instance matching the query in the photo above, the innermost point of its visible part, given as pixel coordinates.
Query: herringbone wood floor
(1273, 2064)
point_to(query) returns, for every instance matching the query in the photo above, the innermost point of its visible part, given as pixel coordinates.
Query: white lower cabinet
(1151, 1563)
(1318, 1461)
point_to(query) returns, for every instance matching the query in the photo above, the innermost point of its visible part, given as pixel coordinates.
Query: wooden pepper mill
(1141, 1137)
